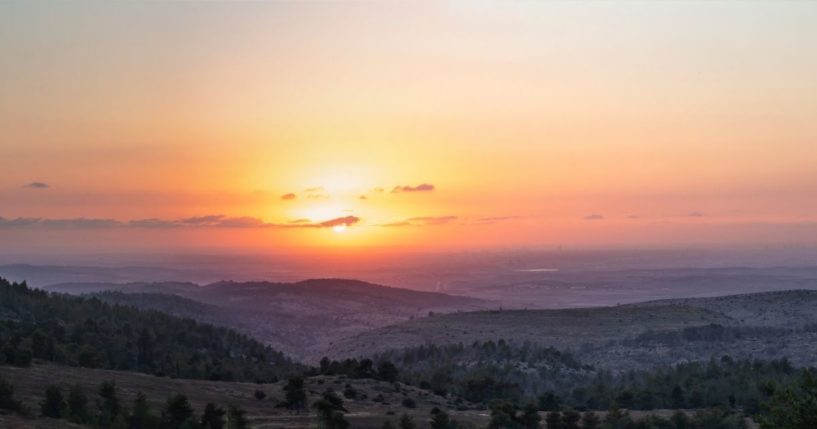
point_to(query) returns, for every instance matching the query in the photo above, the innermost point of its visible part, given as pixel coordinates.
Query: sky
(314, 125)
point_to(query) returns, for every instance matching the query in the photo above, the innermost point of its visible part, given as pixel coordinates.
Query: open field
(376, 400)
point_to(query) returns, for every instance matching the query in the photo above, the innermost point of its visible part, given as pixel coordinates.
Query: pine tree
(440, 420)
(7, 400)
(141, 417)
(295, 394)
(236, 418)
(530, 418)
(571, 419)
(590, 420)
(213, 417)
(177, 411)
(553, 420)
(53, 405)
(107, 404)
(677, 397)
(78, 408)
(386, 371)
(406, 422)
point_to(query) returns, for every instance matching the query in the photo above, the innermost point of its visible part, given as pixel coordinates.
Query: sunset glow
(413, 125)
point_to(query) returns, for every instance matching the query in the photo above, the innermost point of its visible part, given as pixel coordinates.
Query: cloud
(202, 220)
(210, 221)
(345, 220)
(302, 220)
(363, 197)
(493, 219)
(497, 218)
(316, 193)
(696, 214)
(396, 224)
(594, 216)
(422, 220)
(241, 222)
(378, 190)
(152, 223)
(37, 185)
(423, 187)
(431, 220)
(74, 223)
(289, 196)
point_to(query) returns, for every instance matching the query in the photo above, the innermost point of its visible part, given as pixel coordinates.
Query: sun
(339, 228)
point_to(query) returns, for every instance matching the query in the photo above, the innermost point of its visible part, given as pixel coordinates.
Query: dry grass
(30, 384)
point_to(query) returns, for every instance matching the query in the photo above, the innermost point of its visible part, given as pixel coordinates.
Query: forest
(89, 333)
(503, 370)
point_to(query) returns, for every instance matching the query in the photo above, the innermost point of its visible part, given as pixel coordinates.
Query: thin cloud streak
(37, 185)
(422, 221)
(210, 221)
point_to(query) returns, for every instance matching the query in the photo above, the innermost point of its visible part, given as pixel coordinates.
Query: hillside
(519, 284)
(563, 329)
(764, 325)
(90, 333)
(302, 318)
(778, 308)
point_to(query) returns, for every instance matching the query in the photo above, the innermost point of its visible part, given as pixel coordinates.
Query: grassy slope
(30, 384)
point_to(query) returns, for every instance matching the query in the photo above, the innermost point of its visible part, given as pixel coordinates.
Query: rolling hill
(762, 325)
(303, 319)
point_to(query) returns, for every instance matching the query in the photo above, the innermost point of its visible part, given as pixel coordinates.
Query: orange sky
(536, 124)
